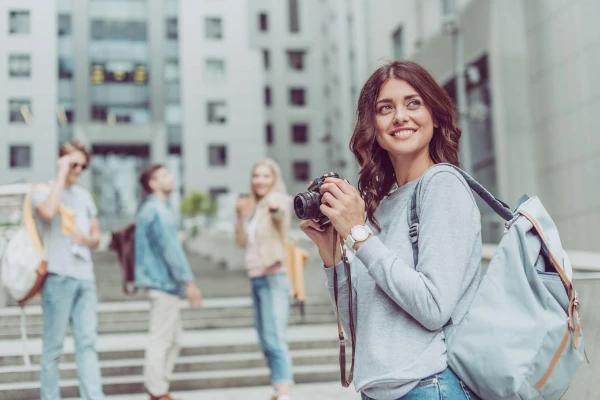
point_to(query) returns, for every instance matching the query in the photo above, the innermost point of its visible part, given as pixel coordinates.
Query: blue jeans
(444, 385)
(271, 300)
(64, 300)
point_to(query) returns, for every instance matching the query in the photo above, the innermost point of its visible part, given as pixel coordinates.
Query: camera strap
(342, 358)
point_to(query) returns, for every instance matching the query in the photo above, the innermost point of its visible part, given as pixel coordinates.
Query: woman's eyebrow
(407, 97)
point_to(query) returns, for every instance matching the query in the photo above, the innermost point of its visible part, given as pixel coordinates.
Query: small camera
(307, 204)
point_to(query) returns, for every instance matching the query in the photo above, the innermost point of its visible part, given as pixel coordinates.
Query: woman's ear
(436, 125)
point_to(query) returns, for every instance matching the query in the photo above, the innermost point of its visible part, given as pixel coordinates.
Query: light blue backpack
(522, 336)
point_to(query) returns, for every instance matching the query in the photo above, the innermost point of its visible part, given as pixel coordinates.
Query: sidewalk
(310, 391)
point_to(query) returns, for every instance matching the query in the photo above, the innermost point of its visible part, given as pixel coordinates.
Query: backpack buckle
(575, 300)
(508, 224)
(413, 232)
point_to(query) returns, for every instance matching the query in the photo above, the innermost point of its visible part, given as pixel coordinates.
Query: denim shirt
(160, 262)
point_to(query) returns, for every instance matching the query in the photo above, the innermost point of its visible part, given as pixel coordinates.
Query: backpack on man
(521, 337)
(24, 263)
(123, 243)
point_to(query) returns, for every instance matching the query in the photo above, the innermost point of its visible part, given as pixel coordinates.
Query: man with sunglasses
(66, 217)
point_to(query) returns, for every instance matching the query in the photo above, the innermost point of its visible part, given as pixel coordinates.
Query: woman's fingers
(343, 185)
(310, 224)
(331, 201)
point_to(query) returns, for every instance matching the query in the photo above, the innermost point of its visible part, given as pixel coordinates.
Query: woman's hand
(342, 204)
(241, 207)
(273, 202)
(328, 245)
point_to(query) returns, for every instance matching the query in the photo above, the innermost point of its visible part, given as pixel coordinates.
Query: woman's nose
(400, 117)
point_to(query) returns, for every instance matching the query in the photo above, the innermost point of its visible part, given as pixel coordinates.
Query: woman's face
(262, 180)
(404, 123)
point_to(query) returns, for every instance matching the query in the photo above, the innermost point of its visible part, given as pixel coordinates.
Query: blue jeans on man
(66, 299)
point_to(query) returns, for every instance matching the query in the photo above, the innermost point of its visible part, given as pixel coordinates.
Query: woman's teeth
(404, 133)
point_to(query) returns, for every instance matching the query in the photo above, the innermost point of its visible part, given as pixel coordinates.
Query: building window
(294, 20)
(216, 112)
(215, 192)
(64, 25)
(297, 97)
(267, 96)
(213, 28)
(269, 133)
(19, 110)
(18, 22)
(20, 156)
(217, 155)
(296, 60)
(64, 112)
(118, 72)
(266, 58)
(172, 28)
(263, 22)
(300, 133)
(65, 68)
(301, 171)
(215, 70)
(99, 113)
(171, 71)
(398, 44)
(119, 30)
(19, 65)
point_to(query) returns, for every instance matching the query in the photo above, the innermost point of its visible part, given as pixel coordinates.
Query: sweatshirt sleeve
(449, 231)
(343, 295)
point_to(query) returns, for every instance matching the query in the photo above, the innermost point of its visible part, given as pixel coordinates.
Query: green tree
(196, 204)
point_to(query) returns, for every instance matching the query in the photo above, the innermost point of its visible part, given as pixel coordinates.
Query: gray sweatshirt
(400, 310)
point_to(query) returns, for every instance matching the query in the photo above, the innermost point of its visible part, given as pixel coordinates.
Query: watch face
(359, 233)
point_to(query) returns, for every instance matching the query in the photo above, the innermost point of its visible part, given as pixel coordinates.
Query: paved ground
(313, 391)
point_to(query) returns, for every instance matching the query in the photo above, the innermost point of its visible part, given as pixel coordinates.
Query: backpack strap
(498, 206)
(30, 225)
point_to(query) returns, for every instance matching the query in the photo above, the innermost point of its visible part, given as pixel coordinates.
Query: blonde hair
(72, 147)
(278, 184)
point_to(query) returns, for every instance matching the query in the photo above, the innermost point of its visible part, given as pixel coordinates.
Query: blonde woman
(261, 227)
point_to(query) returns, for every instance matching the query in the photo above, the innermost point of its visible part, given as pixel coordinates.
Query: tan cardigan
(272, 230)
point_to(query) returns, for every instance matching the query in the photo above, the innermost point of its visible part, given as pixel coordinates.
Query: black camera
(307, 204)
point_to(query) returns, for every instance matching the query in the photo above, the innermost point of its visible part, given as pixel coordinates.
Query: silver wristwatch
(358, 233)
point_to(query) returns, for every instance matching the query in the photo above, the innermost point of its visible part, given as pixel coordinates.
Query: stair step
(180, 381)
(193, 363)
(194, 342)
(195, 324)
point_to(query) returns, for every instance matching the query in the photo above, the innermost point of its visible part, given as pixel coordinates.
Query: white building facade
(532, 91)
(223, 117)
(28, 127)
(287, 33)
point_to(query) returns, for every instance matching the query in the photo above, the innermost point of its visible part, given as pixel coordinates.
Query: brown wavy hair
(377, 175)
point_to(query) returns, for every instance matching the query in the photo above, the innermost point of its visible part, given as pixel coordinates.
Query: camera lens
(306, 205)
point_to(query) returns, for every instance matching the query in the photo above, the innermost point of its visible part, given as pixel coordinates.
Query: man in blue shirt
(161, 267)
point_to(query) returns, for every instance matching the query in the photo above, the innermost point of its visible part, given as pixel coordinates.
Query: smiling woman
(262, 225)
(397, 308)
(398, 98)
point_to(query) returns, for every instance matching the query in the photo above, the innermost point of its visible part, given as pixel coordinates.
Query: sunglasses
(75, 165)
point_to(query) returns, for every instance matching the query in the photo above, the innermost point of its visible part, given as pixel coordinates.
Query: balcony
(120, 93)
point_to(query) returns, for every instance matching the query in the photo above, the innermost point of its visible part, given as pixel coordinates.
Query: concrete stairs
(219, 346)
(132, 317)
(222, 356)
